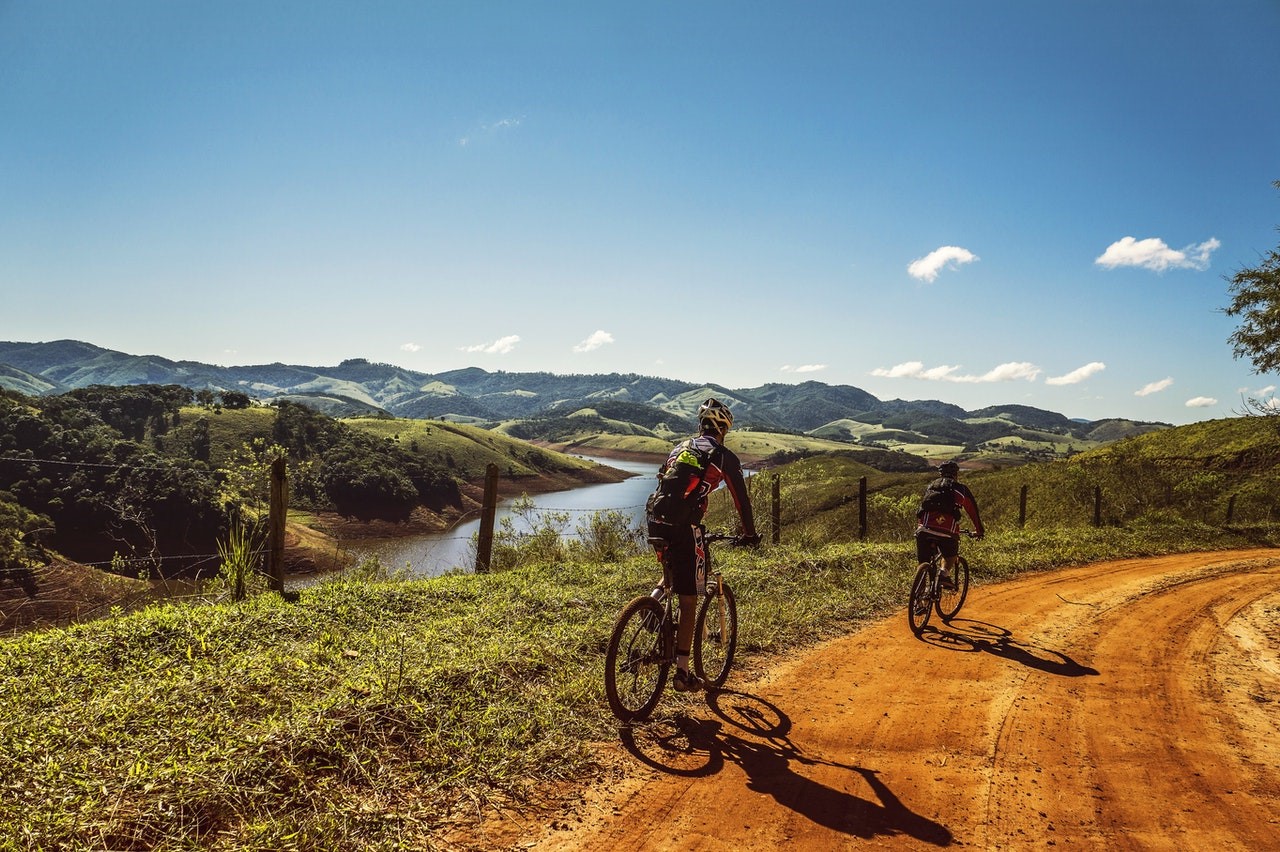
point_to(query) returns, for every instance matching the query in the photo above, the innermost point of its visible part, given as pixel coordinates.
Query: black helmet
(950, 469)
(714, 414)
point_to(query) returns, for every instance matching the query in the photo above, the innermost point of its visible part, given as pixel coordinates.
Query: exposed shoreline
(319, 544)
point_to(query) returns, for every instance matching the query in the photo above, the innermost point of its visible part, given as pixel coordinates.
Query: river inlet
(433, 554)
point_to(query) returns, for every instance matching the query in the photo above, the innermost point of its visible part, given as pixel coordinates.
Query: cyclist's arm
(970, 506)
(737, 484)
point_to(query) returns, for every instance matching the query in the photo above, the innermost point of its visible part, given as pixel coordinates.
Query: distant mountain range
(475, 395)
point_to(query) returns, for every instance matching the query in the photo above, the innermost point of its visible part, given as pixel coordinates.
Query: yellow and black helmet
(714, 415)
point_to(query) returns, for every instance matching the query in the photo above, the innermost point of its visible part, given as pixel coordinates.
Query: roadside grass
(375, 713)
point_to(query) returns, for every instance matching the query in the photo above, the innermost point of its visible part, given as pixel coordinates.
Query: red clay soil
(1123, 705)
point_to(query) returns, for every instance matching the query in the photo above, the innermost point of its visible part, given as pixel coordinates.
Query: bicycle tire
(950, 600)
(715, 637)
(919, 605)
(635, 670)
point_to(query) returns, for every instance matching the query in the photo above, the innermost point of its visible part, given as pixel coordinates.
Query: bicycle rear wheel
(635, 668)
(715, 637)
(919, 604)
(950, 600)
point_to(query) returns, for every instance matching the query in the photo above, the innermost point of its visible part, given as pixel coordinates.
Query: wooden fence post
(484, 545)
(776, 509)
(1231, 509)
(1022, 507)
(1097, 505)
(862, 508)
(278, 509)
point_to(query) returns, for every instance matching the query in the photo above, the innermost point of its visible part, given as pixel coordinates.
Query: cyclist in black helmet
(938, 519)
(694, 469)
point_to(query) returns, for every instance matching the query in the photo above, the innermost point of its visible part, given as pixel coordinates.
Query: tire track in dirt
(1122, 705)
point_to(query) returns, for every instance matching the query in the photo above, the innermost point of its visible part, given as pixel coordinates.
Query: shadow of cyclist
(969, 635)
(769, 759)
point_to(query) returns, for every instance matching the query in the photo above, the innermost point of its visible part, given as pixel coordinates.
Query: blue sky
(981, 202)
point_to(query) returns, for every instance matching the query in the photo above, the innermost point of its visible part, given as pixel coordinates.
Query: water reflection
(433, 554)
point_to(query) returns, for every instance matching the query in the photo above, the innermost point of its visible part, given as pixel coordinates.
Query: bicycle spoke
(715, 637)
(635, 668)
(950, 600)
(920, 601)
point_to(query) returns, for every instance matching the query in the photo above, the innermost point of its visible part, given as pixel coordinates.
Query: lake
(433, 554)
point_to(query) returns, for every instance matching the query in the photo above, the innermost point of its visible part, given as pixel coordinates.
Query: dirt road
(1126, 705)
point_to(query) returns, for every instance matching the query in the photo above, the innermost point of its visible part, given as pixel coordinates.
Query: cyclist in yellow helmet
(694, 468)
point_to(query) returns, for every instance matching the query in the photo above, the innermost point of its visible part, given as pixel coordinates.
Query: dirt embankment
(1126, 705)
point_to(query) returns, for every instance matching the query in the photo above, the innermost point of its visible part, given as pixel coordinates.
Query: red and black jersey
(946, 521)
(701, 464)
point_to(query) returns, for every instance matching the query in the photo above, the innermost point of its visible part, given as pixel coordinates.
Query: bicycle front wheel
(635, 667)
(715, 637)
(950, 600)
(919, 603)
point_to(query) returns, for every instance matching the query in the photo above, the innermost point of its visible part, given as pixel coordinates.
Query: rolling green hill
(476, 396)
(1201, 472)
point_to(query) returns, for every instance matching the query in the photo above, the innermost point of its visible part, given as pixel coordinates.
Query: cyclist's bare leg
(685, 680)
(948, 564)
(684, 635)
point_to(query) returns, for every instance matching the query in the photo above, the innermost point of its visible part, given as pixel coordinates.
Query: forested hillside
(148, 476)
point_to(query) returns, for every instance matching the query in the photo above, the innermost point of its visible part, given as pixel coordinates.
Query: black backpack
(940, 497)
(668, 504)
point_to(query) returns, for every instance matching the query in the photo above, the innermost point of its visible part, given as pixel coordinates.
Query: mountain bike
(928, 593)
(642, 648)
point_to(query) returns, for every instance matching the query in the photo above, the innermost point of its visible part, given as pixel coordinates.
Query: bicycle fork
(716, 589)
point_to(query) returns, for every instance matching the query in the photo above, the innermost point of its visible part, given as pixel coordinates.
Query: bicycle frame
(929, 595)
(642, 647)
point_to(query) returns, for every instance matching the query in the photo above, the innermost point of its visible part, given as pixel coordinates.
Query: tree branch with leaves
(1255, 299)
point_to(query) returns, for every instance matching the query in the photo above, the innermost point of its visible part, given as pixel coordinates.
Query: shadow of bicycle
(754, 734)
(968, 635)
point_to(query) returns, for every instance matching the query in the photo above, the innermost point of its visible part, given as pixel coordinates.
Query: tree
(235, 399)
(1256, 300)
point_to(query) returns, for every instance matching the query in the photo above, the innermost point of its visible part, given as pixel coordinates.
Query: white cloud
(927, 268)
(1154, 387)
(1201, 402)
(1264, 397)
(804, 368)
(1010, 372)
(595, 341)
(409, 347)
(1077, 375)
(501, 346)
(1153, 254)
(914, 370)
(489, 129)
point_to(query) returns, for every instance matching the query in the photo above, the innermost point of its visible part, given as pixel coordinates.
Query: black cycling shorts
(680, 556)
(927, 545)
